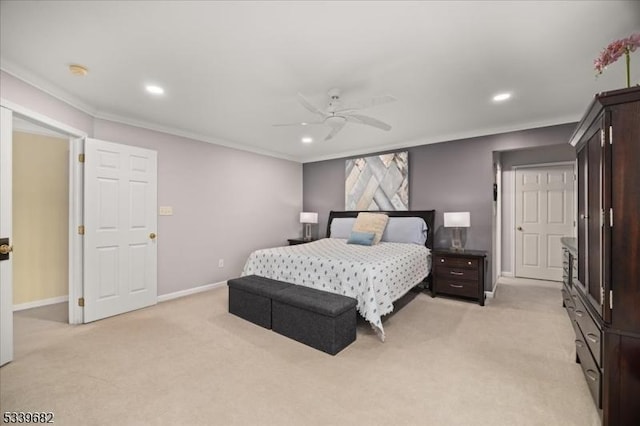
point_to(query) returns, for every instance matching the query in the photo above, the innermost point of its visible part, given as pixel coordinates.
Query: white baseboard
(491, 294)
(187, 292)
(506, 274)
(41, 302)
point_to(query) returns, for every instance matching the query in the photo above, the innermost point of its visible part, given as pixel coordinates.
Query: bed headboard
(427, 215)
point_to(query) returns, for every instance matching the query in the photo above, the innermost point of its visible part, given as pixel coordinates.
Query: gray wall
(226, 202)
(452, 176)
(509, 160)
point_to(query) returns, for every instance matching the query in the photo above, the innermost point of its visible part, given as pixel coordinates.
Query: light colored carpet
(189, 362)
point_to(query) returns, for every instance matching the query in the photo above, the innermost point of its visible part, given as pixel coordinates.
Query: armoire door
(596, 218)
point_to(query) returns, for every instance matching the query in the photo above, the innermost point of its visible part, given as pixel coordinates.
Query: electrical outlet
(220, 263)
(166, 211)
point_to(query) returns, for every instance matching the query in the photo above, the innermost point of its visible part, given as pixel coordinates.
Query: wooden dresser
(604, 302)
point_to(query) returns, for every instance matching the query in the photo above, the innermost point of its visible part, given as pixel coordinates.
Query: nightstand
(459, 273)
(296, 241)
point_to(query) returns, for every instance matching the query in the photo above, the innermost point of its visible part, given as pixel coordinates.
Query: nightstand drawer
(456, 273)
(457, 287)
(456, 262)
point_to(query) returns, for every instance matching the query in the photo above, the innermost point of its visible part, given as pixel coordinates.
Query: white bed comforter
(375, 276)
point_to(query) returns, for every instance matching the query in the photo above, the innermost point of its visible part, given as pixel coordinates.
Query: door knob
(519, 228)
(5, 249)
(152, 236)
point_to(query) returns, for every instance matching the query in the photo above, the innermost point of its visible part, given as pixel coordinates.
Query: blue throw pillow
(362, 238)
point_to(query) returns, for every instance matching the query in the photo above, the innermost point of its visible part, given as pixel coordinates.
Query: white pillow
(412, 230)
(341, 227)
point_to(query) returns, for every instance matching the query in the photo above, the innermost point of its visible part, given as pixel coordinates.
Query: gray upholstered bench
(322, 320)
(250, 298)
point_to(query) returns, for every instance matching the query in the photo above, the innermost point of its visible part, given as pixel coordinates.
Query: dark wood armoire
(606, 287)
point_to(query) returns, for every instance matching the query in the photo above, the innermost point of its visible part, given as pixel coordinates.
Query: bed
(376, 276)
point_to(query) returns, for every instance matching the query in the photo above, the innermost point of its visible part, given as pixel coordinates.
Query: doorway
(40, 217)
(544, 212)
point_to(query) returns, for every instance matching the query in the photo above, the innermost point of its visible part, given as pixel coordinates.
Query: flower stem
(626, 56)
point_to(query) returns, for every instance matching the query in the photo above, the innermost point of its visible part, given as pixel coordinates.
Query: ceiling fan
(338, 114)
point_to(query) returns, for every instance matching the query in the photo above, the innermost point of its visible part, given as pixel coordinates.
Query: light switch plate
(166, 211)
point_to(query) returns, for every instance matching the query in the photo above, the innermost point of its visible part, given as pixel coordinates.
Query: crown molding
(45, 86)
(450, 137)
(49, 88)
(191, 135)
(52, 90)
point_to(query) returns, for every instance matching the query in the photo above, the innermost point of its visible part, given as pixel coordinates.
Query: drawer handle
(579, 344)
(579, 313)
(592, 375)
(455, 286)
(456, 273)
(592, 337)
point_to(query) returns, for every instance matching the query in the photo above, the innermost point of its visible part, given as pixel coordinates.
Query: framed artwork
(379, 182)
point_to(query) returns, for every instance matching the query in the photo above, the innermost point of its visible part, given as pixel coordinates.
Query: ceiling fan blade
(299, 123)
(335, 130)
(308, 105)
(377, 100)
(370, 121)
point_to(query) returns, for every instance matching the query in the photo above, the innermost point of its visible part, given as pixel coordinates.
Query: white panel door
(544, 214)
(120, 245)
(6, 206)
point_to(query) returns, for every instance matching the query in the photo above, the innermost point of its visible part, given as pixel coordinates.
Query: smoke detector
(78, 70)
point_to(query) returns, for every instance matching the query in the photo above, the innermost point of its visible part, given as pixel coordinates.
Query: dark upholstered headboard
(427, 215)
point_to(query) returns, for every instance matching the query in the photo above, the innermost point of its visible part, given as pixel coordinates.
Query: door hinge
(81, 302)
(610, 135)
(611, 218)
(81, 158)
(601, 296)
(610, 299)
(81, 230)
(602, 137)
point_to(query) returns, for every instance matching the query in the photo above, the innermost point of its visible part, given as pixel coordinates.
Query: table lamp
(307, 218)
(457, 220)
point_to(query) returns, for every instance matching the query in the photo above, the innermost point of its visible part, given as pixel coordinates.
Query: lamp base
(456, 240)
(307, 232)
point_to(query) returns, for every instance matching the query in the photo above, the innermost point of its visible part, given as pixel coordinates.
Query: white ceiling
(232, 69)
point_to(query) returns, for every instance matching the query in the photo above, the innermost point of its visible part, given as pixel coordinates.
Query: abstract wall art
(379, 182)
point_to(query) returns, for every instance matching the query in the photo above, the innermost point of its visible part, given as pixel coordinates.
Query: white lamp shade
(308, 217)
(457, 220)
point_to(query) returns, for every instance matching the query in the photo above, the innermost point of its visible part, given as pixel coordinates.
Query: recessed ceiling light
(155, 90)
(501, 97)
(303, 123)
(78, 70)
(307, 139)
